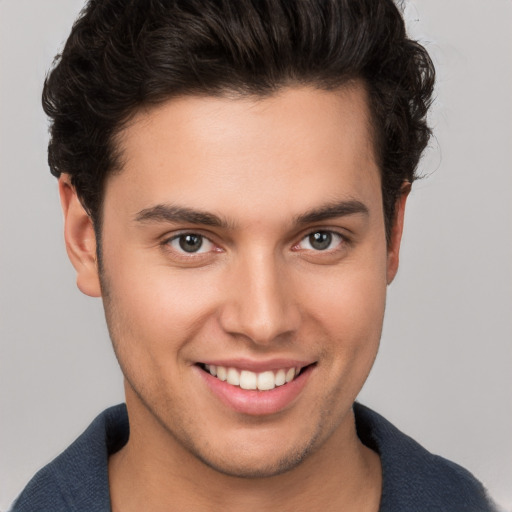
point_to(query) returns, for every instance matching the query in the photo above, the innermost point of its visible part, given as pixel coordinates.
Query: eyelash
(181, 237)
(331, 235)
(342, 241)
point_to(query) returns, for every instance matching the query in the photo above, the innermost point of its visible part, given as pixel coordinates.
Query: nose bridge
(260, 305)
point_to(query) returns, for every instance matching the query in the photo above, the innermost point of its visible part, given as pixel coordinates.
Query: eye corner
(320, 240)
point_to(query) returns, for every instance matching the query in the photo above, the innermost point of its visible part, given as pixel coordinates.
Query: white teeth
(290, 374)
(246, 379)
(221, 373)
(280, 377)
(233, 377)
(266, 381)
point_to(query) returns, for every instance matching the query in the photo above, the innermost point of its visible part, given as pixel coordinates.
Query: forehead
(298, 145)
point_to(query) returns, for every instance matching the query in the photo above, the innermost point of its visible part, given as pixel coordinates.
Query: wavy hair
(122, 55)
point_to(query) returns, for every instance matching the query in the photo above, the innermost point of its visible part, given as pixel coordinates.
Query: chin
(255, 468)
(252, 462)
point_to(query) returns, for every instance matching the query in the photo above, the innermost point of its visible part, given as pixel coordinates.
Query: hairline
(341, 85)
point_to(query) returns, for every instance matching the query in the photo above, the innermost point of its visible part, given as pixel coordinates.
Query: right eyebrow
(178, 214)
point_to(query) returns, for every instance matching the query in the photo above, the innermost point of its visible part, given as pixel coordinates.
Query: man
(233, 177)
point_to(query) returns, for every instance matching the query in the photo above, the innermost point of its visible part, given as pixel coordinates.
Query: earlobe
(396, 233)
(80, 239)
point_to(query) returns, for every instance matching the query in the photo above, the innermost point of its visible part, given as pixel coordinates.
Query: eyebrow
(333, 210)
(179, 214)
(170, 213)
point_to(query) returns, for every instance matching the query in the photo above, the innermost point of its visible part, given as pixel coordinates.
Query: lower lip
(253, 402)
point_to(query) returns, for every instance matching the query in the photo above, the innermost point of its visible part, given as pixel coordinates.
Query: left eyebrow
(333, 210)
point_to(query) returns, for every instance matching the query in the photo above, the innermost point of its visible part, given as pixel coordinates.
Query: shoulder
(77, 480)
(415, 479)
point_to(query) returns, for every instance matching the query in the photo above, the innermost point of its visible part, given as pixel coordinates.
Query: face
(244, 272)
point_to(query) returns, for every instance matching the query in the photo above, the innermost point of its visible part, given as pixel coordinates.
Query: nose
(260, 303)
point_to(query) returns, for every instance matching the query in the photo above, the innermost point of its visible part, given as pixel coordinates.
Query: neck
(155, 472)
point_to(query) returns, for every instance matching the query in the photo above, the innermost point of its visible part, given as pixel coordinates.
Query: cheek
(354, 298)
(349, 310)
(157, 308)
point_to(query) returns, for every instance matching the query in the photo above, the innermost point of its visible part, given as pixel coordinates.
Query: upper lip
(258, 366)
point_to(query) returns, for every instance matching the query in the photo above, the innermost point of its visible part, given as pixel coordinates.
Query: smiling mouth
(246, 379)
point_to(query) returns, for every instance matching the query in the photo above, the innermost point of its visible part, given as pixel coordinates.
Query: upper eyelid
(296, 239)
(331, 231)
(335, 231)
(175, 235)
(342, 230)
(167, 239)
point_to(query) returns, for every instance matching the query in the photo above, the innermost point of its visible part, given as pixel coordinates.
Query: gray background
(444, 371)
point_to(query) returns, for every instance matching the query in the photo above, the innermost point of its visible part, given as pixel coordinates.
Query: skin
(258, 289)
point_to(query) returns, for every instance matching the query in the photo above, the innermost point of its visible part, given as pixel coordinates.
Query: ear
(80, 239)
(396, 233)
